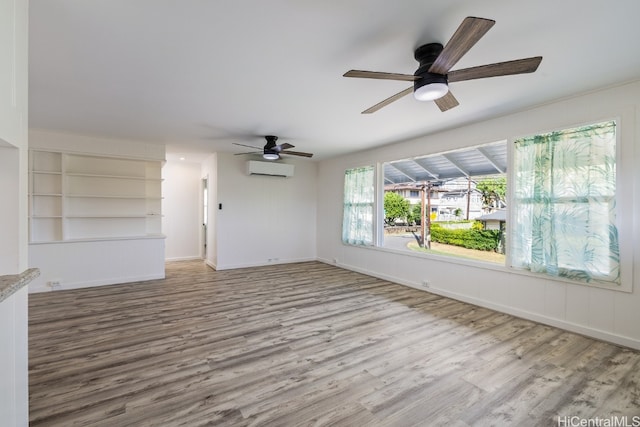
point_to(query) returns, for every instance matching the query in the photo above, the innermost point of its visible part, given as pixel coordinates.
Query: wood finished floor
(307, 344)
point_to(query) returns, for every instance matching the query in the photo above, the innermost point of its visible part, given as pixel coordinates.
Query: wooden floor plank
(307, 344)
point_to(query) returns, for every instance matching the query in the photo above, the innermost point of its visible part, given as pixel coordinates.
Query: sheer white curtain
(564, 204)
(359, 192)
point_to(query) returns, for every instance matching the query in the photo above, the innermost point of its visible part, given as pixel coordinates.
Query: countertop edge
(10, 284)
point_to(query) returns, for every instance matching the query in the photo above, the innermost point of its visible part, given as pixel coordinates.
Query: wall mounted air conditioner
(269, 168)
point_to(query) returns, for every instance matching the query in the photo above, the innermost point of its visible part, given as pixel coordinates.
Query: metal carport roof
(489, 159)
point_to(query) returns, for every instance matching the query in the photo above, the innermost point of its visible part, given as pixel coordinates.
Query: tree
(395, 207)
(415, 216)
(493, 191)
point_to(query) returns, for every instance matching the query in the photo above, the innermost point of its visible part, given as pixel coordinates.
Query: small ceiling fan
(431, 79)
(272, 151)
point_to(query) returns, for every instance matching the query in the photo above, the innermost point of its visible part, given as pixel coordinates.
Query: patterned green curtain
(564, 204)
(359, 191)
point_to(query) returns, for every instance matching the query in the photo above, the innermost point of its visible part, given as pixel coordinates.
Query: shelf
(95, 175)
(99, 239)
(45, 162)
(75, 197)
(38, 172)
(98, 196)
(104, 216)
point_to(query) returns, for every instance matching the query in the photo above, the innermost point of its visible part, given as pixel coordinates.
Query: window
(359, 199)
(463, 191)
(564, 204)
(570, 194)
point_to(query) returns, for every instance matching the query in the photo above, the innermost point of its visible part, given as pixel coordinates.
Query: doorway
(205, 215)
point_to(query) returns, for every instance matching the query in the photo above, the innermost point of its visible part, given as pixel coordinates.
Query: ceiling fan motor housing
(271, 142)
(271, 150)
(426, 55)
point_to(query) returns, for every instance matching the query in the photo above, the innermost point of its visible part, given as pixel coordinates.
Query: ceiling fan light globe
(431, 91)
(270, 156)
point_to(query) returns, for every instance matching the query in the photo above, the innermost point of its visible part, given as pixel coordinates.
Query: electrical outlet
(55, 284)
(426, 283)
(335, 260)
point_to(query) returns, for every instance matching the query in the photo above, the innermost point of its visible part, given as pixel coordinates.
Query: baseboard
(101, 282)
(535, 317)
(183, 258)
(262, 264)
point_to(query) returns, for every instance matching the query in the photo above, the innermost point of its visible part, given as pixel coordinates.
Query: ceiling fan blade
(297, 153)
(245, 145)
(466, 36)
(447, 102)
(388, 101)
(248, 152)
(381, 76)
(518, 66)
(286, 146)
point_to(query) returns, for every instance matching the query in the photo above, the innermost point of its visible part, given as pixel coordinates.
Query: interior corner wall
(10, 189)
(264, 219)
(601, 313)
(181, 204)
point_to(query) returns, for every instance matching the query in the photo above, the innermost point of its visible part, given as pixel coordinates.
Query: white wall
(264, 219)
(10, 174)
(182, 221)
(14, 399)
(14, 392)
(602, 313)
(97, 262)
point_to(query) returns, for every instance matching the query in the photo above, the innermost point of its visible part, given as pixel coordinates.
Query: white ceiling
(200, 74)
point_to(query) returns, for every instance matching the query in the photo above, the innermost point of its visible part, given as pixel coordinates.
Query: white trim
(211, 264)
(184, 258)
(101, 282)
(261, 264)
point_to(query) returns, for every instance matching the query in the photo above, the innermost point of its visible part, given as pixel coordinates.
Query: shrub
(484, 240)
(477, 225)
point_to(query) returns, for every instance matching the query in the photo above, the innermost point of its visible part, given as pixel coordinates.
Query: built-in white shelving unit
(76, 197)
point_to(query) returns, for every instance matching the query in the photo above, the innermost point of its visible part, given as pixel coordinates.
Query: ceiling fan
(272, 151)
(431, 79)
